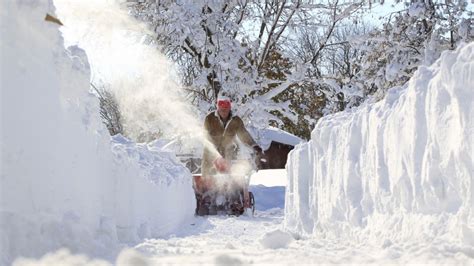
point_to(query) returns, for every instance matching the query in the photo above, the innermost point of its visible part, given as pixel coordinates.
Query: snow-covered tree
(237, 47)
(287, 63)
(210, 38)
(410, 37)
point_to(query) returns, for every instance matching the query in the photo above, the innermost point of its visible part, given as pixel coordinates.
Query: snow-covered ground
(220, 239)
(260, 240)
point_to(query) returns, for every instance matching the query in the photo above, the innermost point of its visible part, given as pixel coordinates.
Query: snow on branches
(287, 63)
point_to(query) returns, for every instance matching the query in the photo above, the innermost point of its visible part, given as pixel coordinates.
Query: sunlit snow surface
(223, 240)
(397, 182)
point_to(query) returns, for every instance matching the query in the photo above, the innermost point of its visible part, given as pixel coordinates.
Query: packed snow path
(218, 239)
(262, 239)
(225, 240)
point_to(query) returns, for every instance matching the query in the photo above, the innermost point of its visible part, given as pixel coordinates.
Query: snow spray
(122, 55)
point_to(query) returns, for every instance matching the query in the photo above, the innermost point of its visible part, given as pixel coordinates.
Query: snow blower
(226, 192)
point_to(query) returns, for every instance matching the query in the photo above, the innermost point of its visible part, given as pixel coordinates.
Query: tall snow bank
(398, 170)
(63, 182)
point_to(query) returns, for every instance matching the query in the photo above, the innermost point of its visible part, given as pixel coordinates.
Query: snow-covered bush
(109, 110)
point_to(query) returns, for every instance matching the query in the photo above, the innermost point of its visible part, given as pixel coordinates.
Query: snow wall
(397, 170)
(64, 182)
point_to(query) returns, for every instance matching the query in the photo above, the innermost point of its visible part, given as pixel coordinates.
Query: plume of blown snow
(125, 60)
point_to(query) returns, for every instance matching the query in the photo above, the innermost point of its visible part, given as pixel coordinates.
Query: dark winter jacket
(222, 136)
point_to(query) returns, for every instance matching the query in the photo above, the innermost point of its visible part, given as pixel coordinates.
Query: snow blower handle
(258, 150)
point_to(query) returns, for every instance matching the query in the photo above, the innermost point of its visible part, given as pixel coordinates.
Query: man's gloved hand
(221, 164)
(259, 157)
(258, 150)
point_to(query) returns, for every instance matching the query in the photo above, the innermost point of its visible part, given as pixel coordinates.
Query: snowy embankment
(64, 183)
(396, 171)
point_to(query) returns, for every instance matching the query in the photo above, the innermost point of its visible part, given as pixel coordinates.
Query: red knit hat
(223, 102)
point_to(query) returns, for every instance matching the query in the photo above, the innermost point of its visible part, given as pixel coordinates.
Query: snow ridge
(398, 170)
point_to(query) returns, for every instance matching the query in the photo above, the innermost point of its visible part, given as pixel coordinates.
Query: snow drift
(63, 182)
(398, 170)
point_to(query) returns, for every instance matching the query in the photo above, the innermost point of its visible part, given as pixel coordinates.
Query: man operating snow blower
(222, 186)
